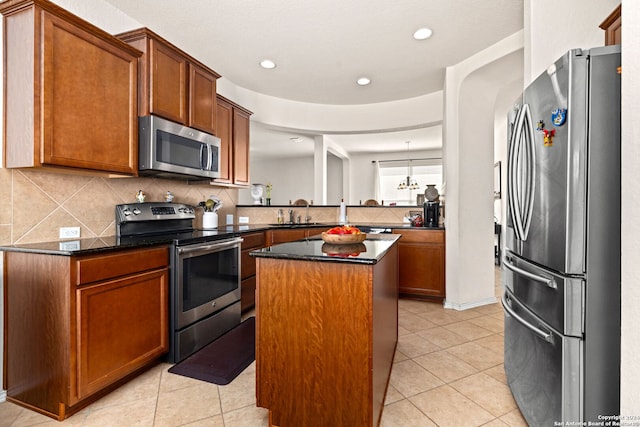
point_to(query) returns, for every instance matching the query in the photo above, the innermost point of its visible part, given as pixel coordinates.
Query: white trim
(469, 305)
(3, 396)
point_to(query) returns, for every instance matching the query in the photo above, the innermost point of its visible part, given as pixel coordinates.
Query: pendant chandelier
(409, 183)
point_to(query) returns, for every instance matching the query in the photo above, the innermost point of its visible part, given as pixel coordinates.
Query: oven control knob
(126, 212)
(136, 211)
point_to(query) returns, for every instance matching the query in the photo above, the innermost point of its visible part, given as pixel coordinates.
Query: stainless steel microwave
(171, 150)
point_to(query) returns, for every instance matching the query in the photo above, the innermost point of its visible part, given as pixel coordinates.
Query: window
(390, 173)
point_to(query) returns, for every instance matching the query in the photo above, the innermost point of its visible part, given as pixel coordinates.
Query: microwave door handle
(209, 157)
(202, 148)
(544, 280)
(548, 337)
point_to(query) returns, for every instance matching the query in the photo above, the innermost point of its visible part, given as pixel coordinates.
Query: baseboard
(468, 305)
(3, 396)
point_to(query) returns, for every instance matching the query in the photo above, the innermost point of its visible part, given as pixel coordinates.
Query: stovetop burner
(159, 222)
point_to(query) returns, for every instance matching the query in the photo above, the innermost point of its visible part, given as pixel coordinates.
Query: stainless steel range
(204, 289)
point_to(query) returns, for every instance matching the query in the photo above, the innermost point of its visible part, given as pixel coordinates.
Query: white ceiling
(322, 46)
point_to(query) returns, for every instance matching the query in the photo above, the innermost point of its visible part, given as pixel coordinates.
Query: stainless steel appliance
(204, 290)
(562, 242)
(168, 149)
(431, 214)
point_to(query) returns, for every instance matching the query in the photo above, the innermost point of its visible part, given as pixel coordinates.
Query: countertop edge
(295, 255)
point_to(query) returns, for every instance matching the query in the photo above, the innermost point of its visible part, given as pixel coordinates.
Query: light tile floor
(447, 371)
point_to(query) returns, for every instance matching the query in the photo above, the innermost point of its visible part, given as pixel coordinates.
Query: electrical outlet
(69, 232)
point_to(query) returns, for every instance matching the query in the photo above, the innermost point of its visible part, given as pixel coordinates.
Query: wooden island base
(326, 334)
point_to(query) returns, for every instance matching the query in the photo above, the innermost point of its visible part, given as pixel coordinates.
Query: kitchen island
(326, 330)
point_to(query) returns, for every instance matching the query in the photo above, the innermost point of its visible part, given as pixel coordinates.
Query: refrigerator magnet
(548, 137)
(559, 116)
(539, 125)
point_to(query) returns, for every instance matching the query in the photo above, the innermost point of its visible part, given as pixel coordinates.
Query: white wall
(334, 179)
(630, 371)
(472, 90)
(292, 179)
(555, 26)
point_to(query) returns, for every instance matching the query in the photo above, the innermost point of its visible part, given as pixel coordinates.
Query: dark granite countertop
(314, 249)
(109, 243)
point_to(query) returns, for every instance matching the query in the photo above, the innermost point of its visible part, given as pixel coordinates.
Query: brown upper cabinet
(233, 131)
(70, 92)
(612, 27)
(173, 85)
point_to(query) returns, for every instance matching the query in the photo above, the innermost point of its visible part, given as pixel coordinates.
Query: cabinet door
(248, 294)
(168, 81)
(122, 324)
(612, 27)
(240, 148)
(284, 236)
(224, 131)
(89, 95)
(421, 269)
(202, 99)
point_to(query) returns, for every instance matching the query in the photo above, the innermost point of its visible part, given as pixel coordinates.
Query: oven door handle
(548, 337)
(213, 247)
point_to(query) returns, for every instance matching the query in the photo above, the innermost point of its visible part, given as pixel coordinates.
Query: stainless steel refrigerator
(561, 271)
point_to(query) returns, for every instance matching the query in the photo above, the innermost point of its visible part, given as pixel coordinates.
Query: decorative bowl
(343, 239)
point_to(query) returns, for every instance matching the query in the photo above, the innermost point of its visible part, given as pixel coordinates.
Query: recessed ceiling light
(363, 81)
(422, 33)
(268, 64)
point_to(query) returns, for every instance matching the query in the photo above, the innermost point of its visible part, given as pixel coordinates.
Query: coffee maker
(431, 214)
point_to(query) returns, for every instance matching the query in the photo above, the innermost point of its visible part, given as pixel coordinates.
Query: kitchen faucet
(307, 218)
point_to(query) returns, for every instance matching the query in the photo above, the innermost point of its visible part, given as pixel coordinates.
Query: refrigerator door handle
(521, 173)
(549, 282)
(530, 167)
(548, 337)
(512, 176)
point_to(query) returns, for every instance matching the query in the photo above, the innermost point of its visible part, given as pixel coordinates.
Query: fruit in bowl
(343, 234)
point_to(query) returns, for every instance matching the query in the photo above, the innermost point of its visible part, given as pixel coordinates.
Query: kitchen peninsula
(326, 330)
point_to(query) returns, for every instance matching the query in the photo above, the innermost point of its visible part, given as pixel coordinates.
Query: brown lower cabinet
(251, 241)
(277, 236)
(79, 326)
(326, 335)
(422, 263)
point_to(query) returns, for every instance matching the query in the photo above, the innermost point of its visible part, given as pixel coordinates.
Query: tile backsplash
(34, 204)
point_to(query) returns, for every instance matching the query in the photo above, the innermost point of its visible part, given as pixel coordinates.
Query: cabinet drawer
(420, 236)
(105, 266)
(253, 240)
